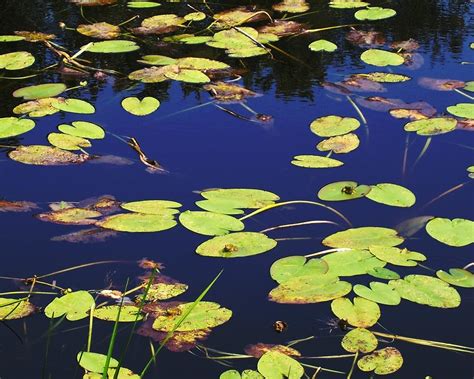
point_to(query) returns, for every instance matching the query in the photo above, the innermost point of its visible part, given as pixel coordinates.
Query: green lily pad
(45, 156)
(139, 107)
(465, 110)
(347, 4)
(427, 290)
(340, 144)
(276, 365)
(40, 91)
(234, 245)
(364, 237)
(362, 313)
(73, 106)
(297, 267)
(11, 38)
(37, 108)
(68, 142)
(124, 373)
(112, 46)
(195, 16)
(188, 76)
(340, 191)
(351, 262)
(315, 161)
(224, 206)
(75, 305)
(392, 195)
(384, 77)
(383, 273)
(201, 64)
(204, 315)
(83, 129)
(431, 126)
(143, 4)
(382, 362)
(210, 224)
(16, 60)
(128, 313)
(94, 362)
(469, 86)
(396, 256)
(457, 232)
(246, 197)
(14, 126)
(359, 340)
(457, 277)
(470, 171)
(374, 13)
(13, 309)
(246, 374)
(322, 45)
(331, 126)
(381, 58)
(378, 292)
(153, 207)
(137, 223)
(165, 291)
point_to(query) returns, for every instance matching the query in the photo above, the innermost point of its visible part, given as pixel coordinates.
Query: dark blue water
(207, 148)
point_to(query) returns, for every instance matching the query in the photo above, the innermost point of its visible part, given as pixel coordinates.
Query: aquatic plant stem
(276, 205)
(91, 323)
(405, 155)
(323, 369)
(422, 152)
(319, 253)
(463, 94)
(312, 222)
(78, 267)
(353, 365)
(443, 194)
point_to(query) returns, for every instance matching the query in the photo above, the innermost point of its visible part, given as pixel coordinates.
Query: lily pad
(364, 237)
(457, 277)
(204, 315)
(153, 207)
(362, 313)
(195, 16)
(427, 290)
(340, 191)
(322, 45)
(40, 91)
(381, 58)
(258, 349)
(297, 267)
(70, 216)
(315, 161)
(246, 374)
(68, 142)
(235, 245)
(374, 13)
(11, 38)
(330, 126)
(347, 4)
(246, 197)
(83, 129)
(457, 232)
(210, 224)
(188, 76)
(74, 305)
(379, 293)
(465, 110)
(73, 106)
(13, 309)
(101, 30)
(45, 156)
(382, 362)
(340, 144)
(292, 6)
(359, 340)
(384, 77)
(128, 313)
(275, 365)
(94, 362)
(392, 195)
(14, 126)
(165, 291)
(112, 47)
(143, 4)
(137, 223)
(16, 60)
(139, 107)
(396, 256)
(224, 206)
(383, 273)
(351, 262)
(431, 126)
(37, 108)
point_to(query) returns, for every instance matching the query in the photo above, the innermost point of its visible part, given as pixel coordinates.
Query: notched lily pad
(275, 365)
(16, 60)
(330, 126)
(361, 313)
(465, 110)
(128, 313)
(364, 237)
(431, 126)
(382, 362)
(359, 340)
(142, 107)
(13, 309)
(457, 232)
(392, 194)
(323, 45)
(83, 129)
(74, 305)
(340, 191)
(46, 156)
(457, 277)
(381, 58)
(315, 161)
(210, 224)
(68, 142)
(297, 266)
(396, 256)
(40, 91)
(14, 126)
(340, 144)
(379, 293)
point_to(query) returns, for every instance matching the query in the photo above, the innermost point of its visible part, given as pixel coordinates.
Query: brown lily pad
(35, 36)
(101, 30)
(70, 216)
(17, 206)
(258, 349)
(46, 156)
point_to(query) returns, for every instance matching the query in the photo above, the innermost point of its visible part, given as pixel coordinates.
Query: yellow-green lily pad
(457, 232)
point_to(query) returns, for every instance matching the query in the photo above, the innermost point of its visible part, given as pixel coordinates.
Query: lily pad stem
(312, 222)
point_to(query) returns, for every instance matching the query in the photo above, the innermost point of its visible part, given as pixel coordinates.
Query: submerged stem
(312, 222)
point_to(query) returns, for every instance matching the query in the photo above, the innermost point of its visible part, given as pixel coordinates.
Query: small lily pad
(330, 126)
(73, 106)
(235, 245)
(112, 46)
(246, 197)
(139, 107)
(224, 206)
(382, 362)
(128, 313)
(45, 156)
(74, 305)
(374, 13)
(16, 60)
(101, 30)
(457, 232)
(143, 4)
(362, 313)
(11, 38)
(68, 142)
(94, 362)
(297, 267)
(13, 309)
(396, 256)
(276, 365)
(340, 144)
(153, 207)
(195, 16)
(345, 4)
(322, 45)
(137, 223)
(70, 216)
(378, 292)
(383, 273)
(392, 195)
(210, 224)
(364, 237)
(40, 91)
(37, 108)
(14, 126)
(83, 129)
(457, 277)
(431, 126)
(381, 58)
(315, 161)
(465, 110)
(340, 191)
(359, 340)
(246, 374)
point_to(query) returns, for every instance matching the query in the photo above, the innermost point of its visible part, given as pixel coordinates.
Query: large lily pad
(315, 161)
(374, 13)
(362, 313)
(235, 245)
(364, 237)
(142, 107)
(112, 46)
(457, 232)
(73, 106)
(382, 362)
(275, 365)
(378, 292)
(204, 315)
(83, 129)
(14, 126)
(128, 313)
(396, 256)
(330, 126)
(40, 91)
(391, 194)
(210, 224)
(74, 305)
(137, 223)
(297, 266)
(322, 45)
(431, 126)
(359, 340)
(224, 206)
(16, 60)
(153, 207)
(351, 262)
(457, 277)
(95, 362)
(340, 144)
(381, 58)
(340, 191)
(465, 110)
(68, 142)
(45, 156)
(13, 309)
(427, 290)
